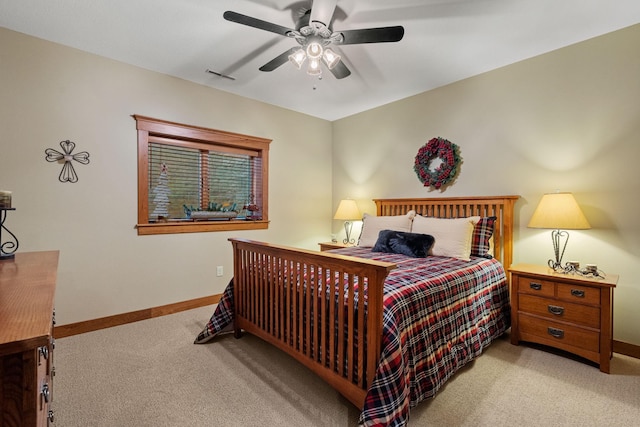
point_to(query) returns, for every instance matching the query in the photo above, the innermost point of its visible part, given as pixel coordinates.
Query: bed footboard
(313, 306)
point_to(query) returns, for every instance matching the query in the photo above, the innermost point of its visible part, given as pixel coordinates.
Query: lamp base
(558, 268)
(556, 265)
(348, 225)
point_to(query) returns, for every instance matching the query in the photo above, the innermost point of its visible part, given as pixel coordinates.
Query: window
(193, 179)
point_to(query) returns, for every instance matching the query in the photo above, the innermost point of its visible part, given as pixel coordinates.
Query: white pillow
(372, 225)
(453, 235)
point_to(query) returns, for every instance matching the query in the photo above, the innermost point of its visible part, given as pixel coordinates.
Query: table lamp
(560, 212)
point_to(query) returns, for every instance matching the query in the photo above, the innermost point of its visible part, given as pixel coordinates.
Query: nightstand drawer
(530, 285)
(579, 294)
(583, 315)
(558, 334)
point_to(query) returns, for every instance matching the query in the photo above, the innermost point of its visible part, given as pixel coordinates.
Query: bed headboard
(501, 207)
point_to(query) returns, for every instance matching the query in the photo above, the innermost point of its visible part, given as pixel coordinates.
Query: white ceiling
(444, 41)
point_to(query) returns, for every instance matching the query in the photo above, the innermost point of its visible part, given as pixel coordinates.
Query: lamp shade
(331, 58)
(559, 211)
(297, 58)
(347, 210)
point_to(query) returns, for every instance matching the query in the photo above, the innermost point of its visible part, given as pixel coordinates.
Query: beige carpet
(150, 373)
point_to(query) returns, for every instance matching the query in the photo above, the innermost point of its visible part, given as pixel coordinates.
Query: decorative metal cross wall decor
(68, 173)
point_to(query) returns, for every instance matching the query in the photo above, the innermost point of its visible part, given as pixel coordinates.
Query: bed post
(507, 220)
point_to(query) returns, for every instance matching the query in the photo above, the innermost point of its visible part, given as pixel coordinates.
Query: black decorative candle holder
(9, 247)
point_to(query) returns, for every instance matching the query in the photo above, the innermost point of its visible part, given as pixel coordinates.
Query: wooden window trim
(155, 129)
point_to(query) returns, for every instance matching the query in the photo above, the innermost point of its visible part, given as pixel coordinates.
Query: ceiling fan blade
(278, 60)
(340, 71)
(256, 23)
(373, 35)
(322, 11)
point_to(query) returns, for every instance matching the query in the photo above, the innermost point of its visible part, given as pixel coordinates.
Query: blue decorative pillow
(399, 242)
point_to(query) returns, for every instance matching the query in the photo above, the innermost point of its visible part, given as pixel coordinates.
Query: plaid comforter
(439, 314)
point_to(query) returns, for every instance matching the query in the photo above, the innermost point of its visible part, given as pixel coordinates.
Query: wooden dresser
(27, 287)
(566, 311)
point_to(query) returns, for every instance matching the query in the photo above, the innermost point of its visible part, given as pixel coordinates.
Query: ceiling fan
(315, 35)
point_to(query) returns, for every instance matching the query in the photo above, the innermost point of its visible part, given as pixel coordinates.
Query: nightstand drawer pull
(577, 293)
(556, 333)
(554, 309)
(535, 286)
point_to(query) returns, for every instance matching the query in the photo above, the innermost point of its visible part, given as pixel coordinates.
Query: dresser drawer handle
(535, 286)
(43, 352)
(554, 309)
(50, 417)
(556, 333)
(46, 394)
(577, 293)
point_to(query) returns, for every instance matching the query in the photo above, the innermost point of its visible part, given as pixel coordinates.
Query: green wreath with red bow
(437, 148)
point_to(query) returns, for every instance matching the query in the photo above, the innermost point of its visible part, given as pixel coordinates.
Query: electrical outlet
(219, 271)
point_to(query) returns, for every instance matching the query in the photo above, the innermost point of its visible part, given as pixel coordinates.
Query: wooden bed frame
(281, 296)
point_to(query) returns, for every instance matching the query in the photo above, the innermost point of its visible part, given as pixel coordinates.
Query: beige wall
(50, 93)
(567, 120)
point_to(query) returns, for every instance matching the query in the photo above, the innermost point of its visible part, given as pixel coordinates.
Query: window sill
(199, 227)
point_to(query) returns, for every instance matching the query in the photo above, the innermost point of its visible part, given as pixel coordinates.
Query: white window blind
(191, 177)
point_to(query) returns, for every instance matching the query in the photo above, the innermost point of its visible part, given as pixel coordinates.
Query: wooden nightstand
(326, 246)
(566, 311)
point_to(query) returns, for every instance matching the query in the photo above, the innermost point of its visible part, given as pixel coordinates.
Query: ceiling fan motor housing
(307, 28)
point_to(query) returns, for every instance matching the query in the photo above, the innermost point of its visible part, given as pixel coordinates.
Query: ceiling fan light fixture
(330, 58)
(297, 58)
(314, 67)
(314, 50)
